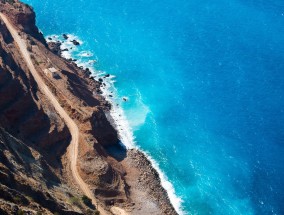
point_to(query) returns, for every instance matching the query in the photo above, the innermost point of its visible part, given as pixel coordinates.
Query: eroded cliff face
(28, 182)
(23, 110)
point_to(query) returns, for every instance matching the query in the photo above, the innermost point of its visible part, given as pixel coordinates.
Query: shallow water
(205, 85)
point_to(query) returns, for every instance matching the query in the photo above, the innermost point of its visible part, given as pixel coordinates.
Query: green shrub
(75, 201)
(32, 42)
(20, 212)
(17, 199)
(29, 48)
(89, 212)
(87, 201)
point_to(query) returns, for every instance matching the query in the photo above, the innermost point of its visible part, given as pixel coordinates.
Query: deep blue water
(205, 82)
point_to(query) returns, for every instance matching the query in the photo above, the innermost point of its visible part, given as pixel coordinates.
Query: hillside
(36, 169)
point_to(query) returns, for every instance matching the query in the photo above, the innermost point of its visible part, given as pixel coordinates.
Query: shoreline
(116, 113)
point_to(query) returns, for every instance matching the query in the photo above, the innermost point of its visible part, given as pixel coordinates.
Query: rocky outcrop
(107, 182)
(23, 16)
(55, 47)
(102, 130)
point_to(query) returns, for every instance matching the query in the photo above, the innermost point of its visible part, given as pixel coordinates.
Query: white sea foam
(85, 54)
(121, 123)
(138, 114)
(124, 128)
(66, 44)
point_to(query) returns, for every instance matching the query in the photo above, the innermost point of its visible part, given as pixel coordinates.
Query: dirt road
(73, 128)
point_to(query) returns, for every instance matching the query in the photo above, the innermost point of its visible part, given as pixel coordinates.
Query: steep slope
(28, 183)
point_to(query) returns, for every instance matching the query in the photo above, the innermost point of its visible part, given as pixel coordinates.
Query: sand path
(73, 128)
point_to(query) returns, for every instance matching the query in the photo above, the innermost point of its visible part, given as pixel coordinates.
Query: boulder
(65, 36)
(75, 42)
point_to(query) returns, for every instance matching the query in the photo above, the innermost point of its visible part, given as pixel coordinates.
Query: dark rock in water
(88, 72)
(101, 80)
(55, 47)
(110, 96)
(108, 105)
(65, 36)
(99, 91)
(49, 38)
(75, 42)
(124, 99)
(92, 78)
(107, 75)
(65, 50)
(104, 84)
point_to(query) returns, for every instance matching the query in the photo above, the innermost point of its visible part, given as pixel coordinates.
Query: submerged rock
(65, 36)
(75, 42)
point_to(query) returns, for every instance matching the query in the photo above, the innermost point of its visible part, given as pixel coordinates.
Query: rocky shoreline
(128, 181)
(148, 178)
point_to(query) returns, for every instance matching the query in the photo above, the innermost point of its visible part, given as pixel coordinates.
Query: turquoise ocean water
(205, 87)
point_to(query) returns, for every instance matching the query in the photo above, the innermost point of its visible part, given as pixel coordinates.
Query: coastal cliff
(35, 169)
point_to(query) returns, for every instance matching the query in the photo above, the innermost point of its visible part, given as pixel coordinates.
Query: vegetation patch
(75, 201)
(87, 201)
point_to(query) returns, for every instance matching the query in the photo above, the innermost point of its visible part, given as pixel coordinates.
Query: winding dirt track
(73, 128)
